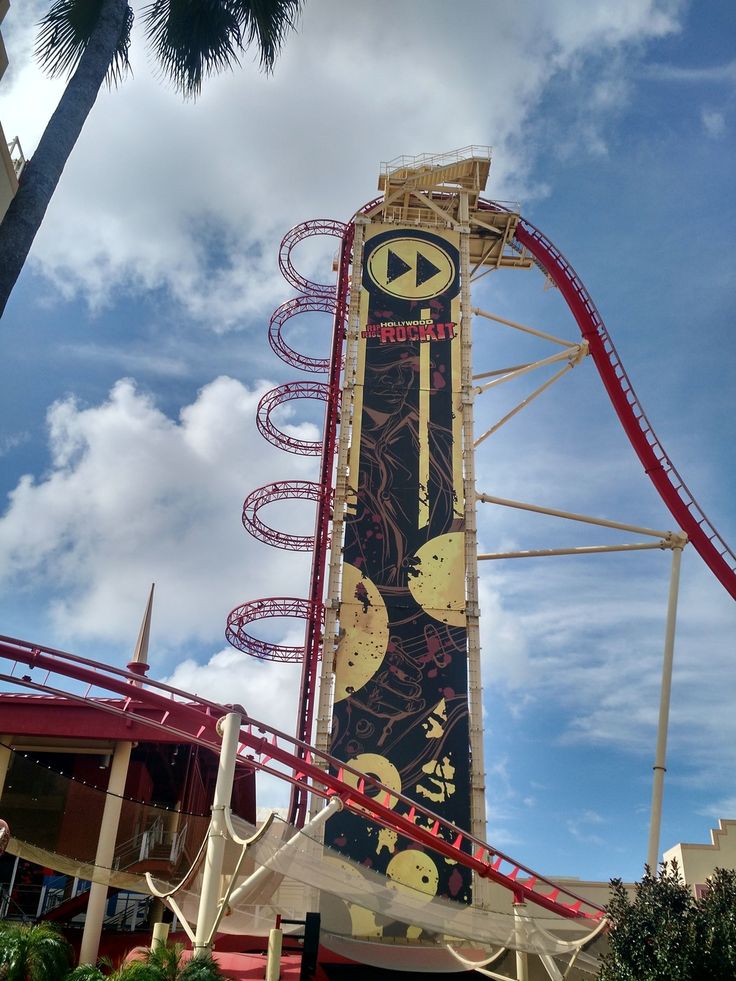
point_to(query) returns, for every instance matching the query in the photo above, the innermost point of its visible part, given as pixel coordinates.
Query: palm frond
(193, 39)
(64, 32)
(202, 969)
(267, 23)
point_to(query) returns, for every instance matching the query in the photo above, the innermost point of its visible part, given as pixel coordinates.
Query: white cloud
(581, 827)
(13, 441)
(131, 497)
(706, 74)
(195, 198)
(723, 807)
(231, 677)
(714, 122)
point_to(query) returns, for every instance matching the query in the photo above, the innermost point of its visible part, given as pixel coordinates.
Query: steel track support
(522, 960)
(228, 728)
(342, 490)
(655, 820)
(472, 611)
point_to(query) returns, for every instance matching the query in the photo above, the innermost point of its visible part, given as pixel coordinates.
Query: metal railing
(139, 847)
(17, 157)
(435, 159)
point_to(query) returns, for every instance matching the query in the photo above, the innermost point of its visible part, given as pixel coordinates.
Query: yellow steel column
(472, 610)
(350, 404)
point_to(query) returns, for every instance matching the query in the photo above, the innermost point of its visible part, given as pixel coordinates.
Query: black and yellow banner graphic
(401, 699)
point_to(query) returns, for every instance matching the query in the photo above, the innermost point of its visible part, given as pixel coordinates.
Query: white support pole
(655, 821)
(209, 900)
(536, 553)
(105, 852)
(570, 353)
(573, 516)
(523, 328)
(522, 960)
(525, 402)
(160, 935)
(249, 888)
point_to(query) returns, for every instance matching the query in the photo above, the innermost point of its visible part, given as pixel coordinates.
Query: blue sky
(135, 352)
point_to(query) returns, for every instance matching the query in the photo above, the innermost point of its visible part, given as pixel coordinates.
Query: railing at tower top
(474, 151)
(17, 156)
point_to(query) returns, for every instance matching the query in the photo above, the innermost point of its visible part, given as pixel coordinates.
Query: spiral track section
(307, 229)
(266, 609)
(320, 298)
(284, 313)
(279, 396)
(282, 490)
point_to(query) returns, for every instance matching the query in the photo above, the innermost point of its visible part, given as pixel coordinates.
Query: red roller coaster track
(281, 490)
(279, 396)
(267, 749)
(658, 466)
(683, 507)
(292, 308)
(308, 229)
(266, 609)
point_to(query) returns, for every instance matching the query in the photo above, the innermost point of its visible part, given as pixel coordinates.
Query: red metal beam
(307, 229)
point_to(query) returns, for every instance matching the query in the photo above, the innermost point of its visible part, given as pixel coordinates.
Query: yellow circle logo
(411, 268)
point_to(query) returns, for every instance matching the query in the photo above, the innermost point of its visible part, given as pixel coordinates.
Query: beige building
(696, 862)
(11, 155)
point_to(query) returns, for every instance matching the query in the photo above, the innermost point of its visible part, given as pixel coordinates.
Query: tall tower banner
(401, 699)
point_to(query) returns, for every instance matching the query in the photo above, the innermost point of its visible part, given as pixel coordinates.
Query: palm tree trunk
(41, 174)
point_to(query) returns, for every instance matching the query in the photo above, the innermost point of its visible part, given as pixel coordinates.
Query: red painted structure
(161, 708)
(282, 490)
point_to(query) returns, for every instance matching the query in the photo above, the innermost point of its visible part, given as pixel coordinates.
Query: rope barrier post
(655, 820)
(275, 940)
(228, 728)
(160, 935)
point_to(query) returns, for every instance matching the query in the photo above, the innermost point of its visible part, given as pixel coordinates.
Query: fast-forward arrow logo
(411, 268)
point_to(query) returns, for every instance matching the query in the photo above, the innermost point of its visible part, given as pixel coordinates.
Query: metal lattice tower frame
(434, 192)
